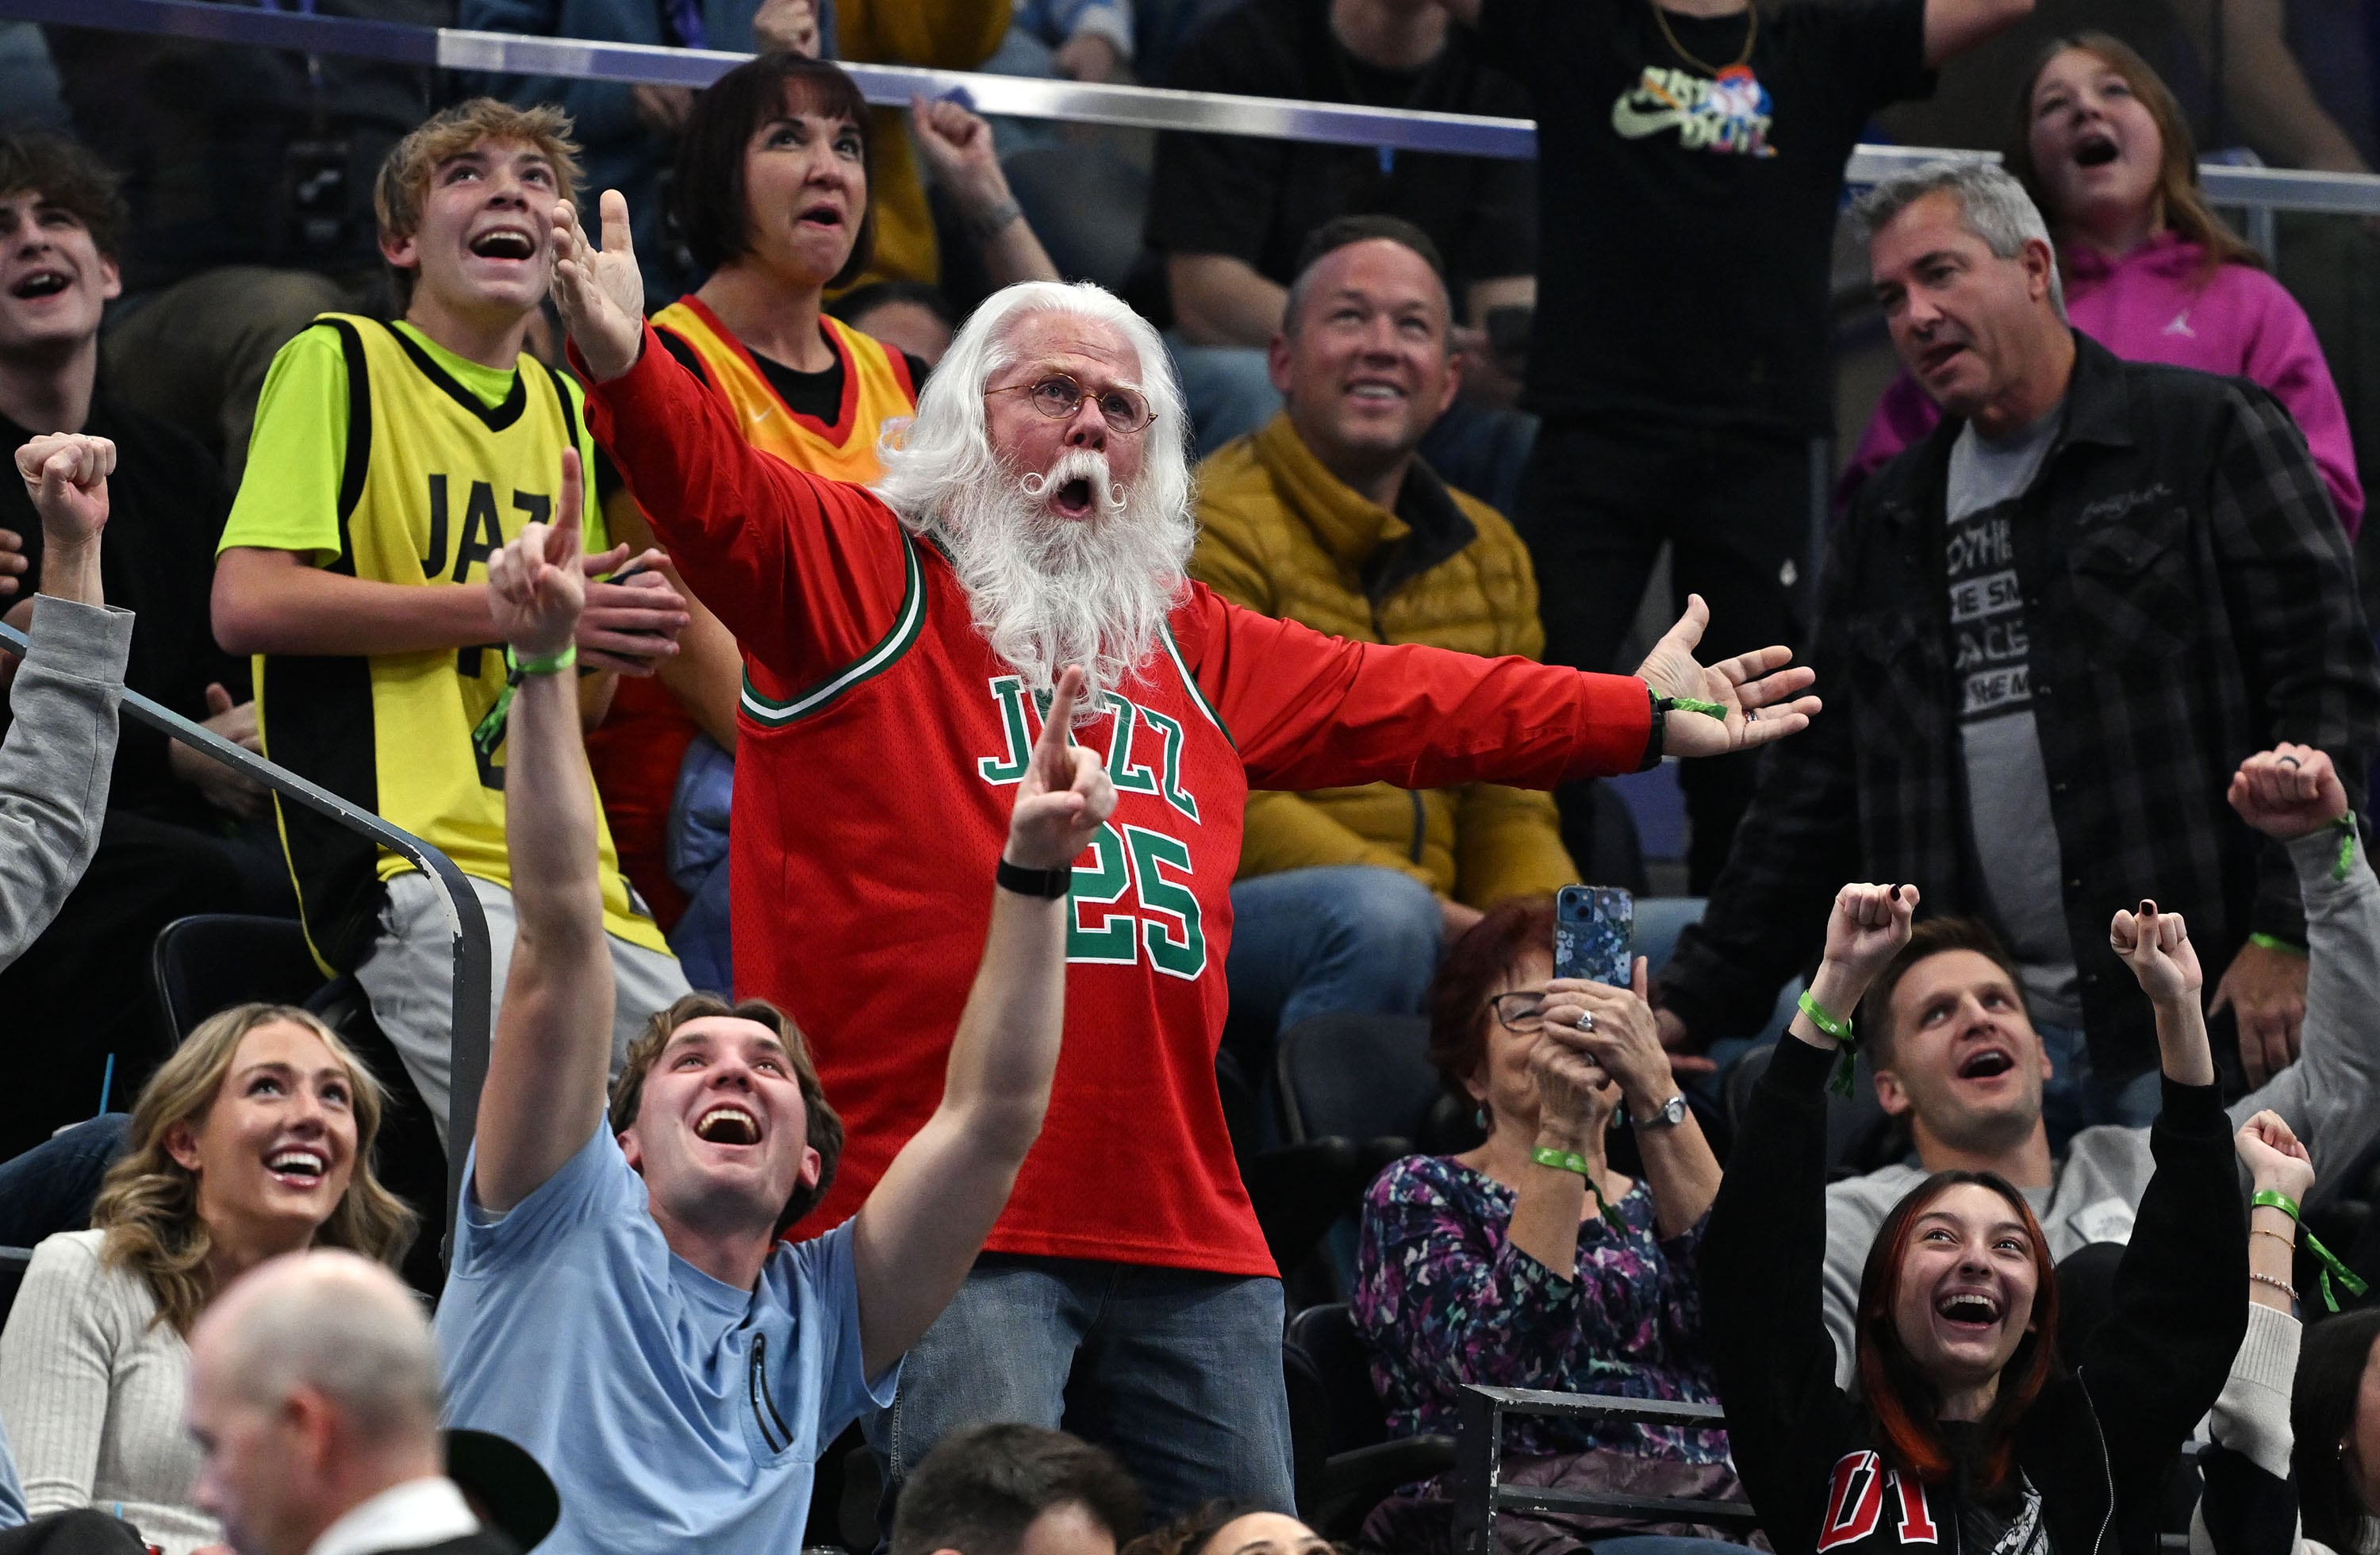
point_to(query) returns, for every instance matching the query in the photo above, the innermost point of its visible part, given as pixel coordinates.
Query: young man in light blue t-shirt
(620, 1304)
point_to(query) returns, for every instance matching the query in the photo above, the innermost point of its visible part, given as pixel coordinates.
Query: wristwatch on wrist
(1671, 1114)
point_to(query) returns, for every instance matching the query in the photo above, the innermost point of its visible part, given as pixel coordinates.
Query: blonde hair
(403, 182)
(149, 1204)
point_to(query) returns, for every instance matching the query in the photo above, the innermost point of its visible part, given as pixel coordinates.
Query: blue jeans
(1227, 389)
(1343, 937)
(2074, 1098)
(50, 1187)
(695, 847)
(1175, 1371)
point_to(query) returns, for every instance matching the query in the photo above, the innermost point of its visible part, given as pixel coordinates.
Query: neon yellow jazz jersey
(379, 454)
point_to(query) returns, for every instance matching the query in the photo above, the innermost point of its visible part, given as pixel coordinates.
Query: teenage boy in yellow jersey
(389, 463)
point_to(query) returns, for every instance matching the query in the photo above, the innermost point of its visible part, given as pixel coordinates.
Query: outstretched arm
(2157, 946)
(923, 1224)
(2293, 795)
(1763, 1254)
(808, 574)
(58, 760)
(553, 1047)
(2159, 1362)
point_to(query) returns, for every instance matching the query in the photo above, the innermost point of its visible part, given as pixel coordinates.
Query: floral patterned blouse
(1443, 1298)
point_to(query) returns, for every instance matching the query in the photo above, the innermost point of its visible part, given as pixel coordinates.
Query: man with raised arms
(620, 1303)
(898, 644)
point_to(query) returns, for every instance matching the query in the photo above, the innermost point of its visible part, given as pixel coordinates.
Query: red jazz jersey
(879, 747)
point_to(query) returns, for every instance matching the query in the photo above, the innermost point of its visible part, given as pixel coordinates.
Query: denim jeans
(1227, 390)
(50, 1187)
(1176, 1371)
(1343, 937)
(2074, 1098)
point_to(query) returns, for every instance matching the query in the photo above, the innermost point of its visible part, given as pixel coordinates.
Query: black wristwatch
(1653, 740)
(1048, 884)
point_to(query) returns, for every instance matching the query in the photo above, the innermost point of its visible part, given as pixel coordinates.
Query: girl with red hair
(1968, 1429)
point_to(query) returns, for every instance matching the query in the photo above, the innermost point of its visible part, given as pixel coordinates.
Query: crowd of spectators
(925, 732)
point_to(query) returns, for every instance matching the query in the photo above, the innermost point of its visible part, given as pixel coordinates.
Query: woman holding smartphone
(1529, 1262)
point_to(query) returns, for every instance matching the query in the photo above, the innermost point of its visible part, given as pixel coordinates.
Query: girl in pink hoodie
(2149, 272)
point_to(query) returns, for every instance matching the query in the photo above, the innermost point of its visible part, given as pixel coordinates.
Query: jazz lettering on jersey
(481, 536)
(1855, 1497)
(1131, 895)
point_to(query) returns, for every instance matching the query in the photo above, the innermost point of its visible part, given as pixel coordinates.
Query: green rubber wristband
(2274, 942)
(1839, 1029)
(2345, 864)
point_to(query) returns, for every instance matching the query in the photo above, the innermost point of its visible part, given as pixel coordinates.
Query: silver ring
(1751, 715)
(1586, 1020)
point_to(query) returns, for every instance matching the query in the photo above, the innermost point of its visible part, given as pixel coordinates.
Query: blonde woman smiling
(254, 1139)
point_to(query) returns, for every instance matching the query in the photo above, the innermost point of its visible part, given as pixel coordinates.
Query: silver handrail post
(467, 923)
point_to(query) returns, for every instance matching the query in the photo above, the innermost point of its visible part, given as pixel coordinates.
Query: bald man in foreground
(314, 1395)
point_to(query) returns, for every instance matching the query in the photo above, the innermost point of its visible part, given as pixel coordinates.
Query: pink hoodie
(2149, 307)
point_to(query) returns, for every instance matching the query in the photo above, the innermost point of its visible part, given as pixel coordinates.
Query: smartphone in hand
(1595, 933)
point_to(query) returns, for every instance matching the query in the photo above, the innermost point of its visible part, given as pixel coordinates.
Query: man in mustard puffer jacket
(1326, 517)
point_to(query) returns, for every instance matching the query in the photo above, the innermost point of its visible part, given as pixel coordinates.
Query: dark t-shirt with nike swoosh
(1687, 215)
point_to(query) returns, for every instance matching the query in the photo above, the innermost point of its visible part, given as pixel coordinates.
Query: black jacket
(2097, 1441)
(2190, 600)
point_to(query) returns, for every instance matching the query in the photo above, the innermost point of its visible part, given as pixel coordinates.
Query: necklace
(1751, 31)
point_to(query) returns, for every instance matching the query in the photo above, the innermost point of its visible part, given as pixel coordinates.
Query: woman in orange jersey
(770, 194)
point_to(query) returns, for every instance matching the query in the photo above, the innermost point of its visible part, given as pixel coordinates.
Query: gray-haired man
(2053, 630)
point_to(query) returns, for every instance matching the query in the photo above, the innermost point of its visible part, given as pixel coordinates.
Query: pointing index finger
(1057, 722)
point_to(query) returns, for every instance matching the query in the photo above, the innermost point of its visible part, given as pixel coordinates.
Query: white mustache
(1077, 464)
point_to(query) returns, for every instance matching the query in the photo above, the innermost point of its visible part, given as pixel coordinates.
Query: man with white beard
(898, 647)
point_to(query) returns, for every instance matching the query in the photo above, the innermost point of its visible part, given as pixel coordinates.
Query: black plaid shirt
(2190, 600)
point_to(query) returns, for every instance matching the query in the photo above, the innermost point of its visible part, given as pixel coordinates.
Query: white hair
(1047, 592)
(1992, 203)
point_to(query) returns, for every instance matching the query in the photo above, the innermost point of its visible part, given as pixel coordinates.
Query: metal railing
(467, 924)
(454, 48)
(1480, 1493)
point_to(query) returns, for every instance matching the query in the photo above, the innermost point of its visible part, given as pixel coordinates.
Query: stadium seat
(1345, 1459)
(207, 964)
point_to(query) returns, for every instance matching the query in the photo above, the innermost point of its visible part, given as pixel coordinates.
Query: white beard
(1048, 591)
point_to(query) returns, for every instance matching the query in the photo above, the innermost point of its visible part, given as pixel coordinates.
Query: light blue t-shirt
(673, 1411)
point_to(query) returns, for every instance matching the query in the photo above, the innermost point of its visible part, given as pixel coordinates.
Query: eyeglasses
(1523, 1014)
(1059, 397)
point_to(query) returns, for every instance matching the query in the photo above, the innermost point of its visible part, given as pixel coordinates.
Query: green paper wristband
(1691, 704)
(2345, 864)
(1571, 1161)
(2274, 942)
(490, 731)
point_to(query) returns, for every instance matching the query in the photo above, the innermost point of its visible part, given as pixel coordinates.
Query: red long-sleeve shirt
(878, 740)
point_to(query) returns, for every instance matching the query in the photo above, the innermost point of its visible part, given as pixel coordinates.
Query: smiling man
(1328, 516)
(390, 463)
(2062, 620)
(898, 644)
(620, 1303)
(1957, 1055)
